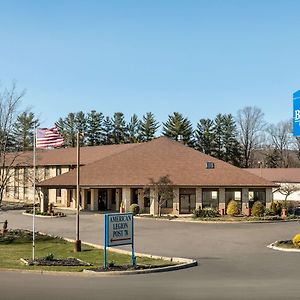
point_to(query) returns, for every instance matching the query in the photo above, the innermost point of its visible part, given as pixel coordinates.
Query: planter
(284, 213)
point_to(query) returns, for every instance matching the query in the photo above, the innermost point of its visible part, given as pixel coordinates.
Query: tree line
(244, 140)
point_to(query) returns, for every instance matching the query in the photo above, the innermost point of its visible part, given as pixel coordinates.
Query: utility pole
(77, 247)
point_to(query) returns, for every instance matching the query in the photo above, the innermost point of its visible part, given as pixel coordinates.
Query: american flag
(48, 138)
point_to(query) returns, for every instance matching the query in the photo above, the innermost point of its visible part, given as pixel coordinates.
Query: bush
(296, 240)
(135, 209)
(49, 257)
(258, 209)
(276, 208)
(232, 208)
(205, 213)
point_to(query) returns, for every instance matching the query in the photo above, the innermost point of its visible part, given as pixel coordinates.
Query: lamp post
(77, 247)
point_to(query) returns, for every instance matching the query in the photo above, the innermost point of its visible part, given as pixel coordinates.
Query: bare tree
(288, 189)
(163, 190)
(250, 124)
(26, 178)
(9, 101)
(281, 140)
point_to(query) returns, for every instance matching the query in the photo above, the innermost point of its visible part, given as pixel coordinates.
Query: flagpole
(34, 175)
(78, 241)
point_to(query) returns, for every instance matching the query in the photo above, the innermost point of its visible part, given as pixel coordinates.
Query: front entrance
(102, 199)
(187, 203)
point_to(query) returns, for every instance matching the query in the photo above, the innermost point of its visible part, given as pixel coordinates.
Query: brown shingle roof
(162, 156)
(68, 156)
(280, 175)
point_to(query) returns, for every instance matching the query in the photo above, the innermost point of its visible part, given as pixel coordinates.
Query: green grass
(12, 249)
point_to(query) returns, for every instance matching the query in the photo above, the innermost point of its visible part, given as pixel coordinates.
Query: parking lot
(234, 262)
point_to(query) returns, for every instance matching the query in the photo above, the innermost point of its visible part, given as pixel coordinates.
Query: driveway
(234, 262)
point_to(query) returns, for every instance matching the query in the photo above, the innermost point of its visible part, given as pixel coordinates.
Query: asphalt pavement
(234, 262)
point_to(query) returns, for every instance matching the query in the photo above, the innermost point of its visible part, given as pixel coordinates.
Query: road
(234, 262)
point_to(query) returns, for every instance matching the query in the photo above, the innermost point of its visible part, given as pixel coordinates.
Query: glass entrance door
(187, 203)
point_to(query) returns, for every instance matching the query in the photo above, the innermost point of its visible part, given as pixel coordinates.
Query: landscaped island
(56, 254)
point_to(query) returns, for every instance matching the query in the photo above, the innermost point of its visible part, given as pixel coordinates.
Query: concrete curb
(217, 222)
(193, 263)
(272, 246)
(40, 216)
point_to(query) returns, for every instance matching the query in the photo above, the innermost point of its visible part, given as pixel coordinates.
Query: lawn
(16, 245)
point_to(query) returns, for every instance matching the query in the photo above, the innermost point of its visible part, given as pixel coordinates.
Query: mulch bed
(288, 244)
(67, 262)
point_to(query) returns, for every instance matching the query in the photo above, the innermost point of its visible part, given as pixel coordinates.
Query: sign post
(296, 114)
(118, 231)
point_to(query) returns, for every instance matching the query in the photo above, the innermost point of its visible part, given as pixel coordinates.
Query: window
(16, 192)
(58, 171)
(113, 196)
(58, 195)
(168, 204)
(210, 165)
(210, 198)
(47, 172)
(134, 196)
(25, 177)
(25, 193)
(17, 171)
(147, 198)
(257, 195)
(233, 194)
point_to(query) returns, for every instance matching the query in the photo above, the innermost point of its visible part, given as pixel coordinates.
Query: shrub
(232, 208)
(205, 213)
(276, 208)
(296, 240)
(135, 209)
(197, 212)
(258, 209)
(49, 257)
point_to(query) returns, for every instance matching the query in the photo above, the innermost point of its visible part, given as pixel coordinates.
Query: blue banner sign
(118, 231)
(296, 113)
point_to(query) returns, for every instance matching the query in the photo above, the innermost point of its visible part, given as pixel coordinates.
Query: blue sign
(296, 113)
(118, 231)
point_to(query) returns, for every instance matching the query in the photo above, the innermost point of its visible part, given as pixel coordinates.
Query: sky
(199, 58)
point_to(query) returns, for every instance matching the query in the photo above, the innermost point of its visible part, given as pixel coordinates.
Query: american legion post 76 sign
(296, 113)
(119, 232)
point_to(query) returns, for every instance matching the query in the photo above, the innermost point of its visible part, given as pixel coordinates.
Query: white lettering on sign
(297, 115)
(119, 229)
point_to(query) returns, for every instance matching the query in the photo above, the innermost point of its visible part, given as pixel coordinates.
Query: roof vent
(210, 165)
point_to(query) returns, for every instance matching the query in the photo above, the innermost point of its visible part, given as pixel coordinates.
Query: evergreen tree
(119, 129)
(205, 136)
(218, 150)
(94, 128)
(273, 159)
(81, 126)
(178, 125)
(23, 130)
(149, 127)
(231, 147)
(134, 129)
(107, 131)
(68, 129)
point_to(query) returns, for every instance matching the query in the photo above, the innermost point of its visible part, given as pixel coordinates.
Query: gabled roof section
(159, 157)
(278, 175)
(67, 156)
